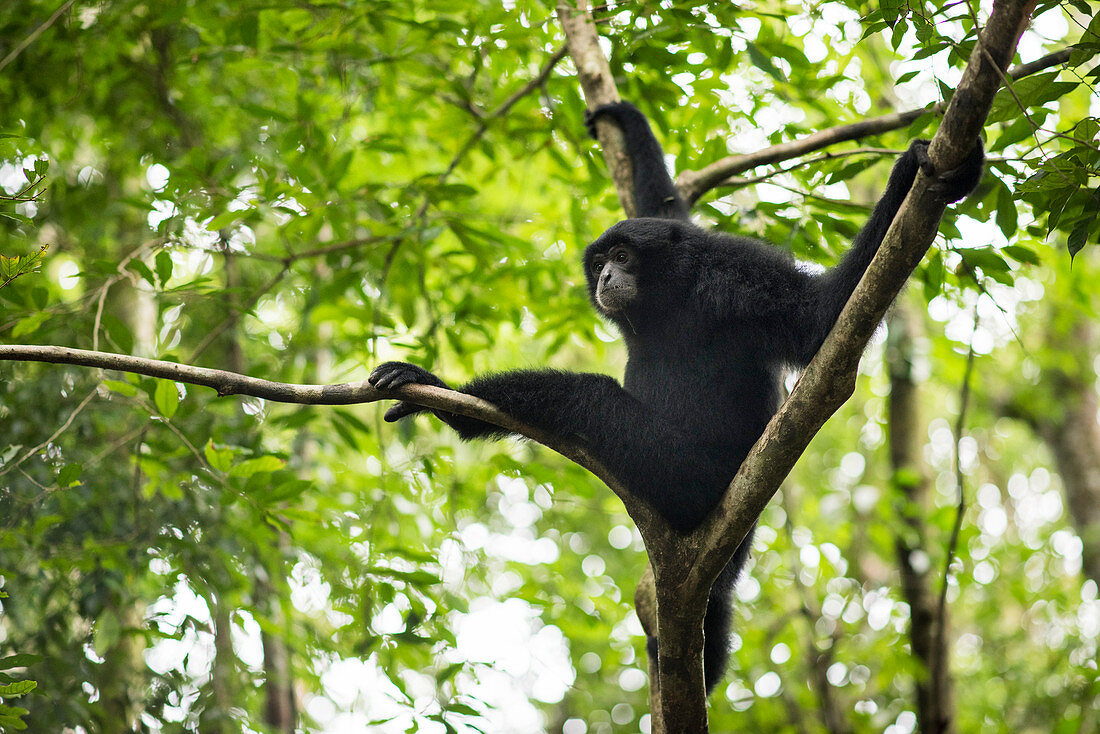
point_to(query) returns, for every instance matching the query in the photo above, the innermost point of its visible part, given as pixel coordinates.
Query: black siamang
(711, 324)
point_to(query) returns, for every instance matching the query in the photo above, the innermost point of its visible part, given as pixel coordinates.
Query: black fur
(711, 323)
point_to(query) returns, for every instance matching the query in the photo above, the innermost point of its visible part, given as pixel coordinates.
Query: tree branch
(33, 35)
(598, 84)
(693, 184)
(348, 393)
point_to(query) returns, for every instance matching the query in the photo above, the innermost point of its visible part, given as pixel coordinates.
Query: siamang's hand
(954, 184)
(392, 375)
(616, 110)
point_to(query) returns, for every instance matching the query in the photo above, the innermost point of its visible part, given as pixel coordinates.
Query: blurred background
(301, 190)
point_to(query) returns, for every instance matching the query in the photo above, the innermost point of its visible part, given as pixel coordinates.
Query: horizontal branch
(693, 184)
(348, 393)
(222, 381)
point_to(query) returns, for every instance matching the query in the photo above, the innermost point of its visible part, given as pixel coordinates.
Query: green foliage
(12, 267)
(11, 717)
(301, 191)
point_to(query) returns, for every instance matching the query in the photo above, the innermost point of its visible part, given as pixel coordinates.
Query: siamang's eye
(597, 266)
(620, 256)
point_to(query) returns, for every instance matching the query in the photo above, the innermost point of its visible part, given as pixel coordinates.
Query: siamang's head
(638, 266)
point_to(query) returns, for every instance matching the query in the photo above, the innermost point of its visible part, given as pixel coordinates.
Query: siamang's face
(615, 275)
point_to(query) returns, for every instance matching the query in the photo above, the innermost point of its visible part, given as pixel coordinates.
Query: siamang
(711, 323)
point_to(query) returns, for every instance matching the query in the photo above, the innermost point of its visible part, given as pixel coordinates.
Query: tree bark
(1075, 443)
(934, 686)
(1062, 409)
(598, 85)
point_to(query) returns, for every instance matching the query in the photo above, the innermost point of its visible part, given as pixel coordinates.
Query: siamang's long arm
(672, 470)
(654, 193)
(829, 292)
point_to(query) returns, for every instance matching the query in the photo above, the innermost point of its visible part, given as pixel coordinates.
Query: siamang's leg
(654, 193)
(832, 289)
(655, 458)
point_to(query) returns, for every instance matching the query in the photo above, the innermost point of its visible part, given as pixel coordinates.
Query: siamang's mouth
(615, 299)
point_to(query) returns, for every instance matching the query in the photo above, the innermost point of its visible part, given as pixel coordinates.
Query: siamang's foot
(920, 152)
(954, 184)
(392, 375)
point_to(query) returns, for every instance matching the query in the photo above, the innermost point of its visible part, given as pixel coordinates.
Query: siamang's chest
(720, 387)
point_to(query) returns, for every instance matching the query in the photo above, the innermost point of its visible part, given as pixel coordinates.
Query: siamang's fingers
(392, 375)
(400, 410)
(958, 182)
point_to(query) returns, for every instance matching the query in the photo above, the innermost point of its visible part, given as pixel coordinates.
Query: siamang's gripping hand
(392, 375)
(615, 110)
(958, 182)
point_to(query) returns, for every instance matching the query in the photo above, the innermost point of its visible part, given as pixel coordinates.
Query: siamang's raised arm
(829, 291)
(596, 411)
(654, 193)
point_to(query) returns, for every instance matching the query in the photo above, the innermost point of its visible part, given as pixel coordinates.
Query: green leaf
(107, 632)
(1079, 236)
(220, 459)
(287, 490)
(143, 270)
(249, 467)
(10, 711)
(1006, 211)
(119, 333)
(225, 219)
(763, 62)
(12, 723)
(1031, 91)
(892, 11)
(985, 258)
(69, 475)
(126, 389)
(167, 398)
(29, 325)
(22, 660)
(933, 275)
(164, 267)
(17, 689)
(1022, 254)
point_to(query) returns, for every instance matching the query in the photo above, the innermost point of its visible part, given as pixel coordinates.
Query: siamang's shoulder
(744, 277)
(731, 253)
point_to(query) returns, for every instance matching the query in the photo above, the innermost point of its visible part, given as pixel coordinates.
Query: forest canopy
(300, 191)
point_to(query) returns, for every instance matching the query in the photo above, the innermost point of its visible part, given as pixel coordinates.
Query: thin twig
(22, 45)
(64, 426)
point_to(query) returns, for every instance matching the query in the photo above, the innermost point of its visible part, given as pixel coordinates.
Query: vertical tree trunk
(1075, 443)
(224, 668)
(935, 707)
(1065, 417)
(280, 706)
